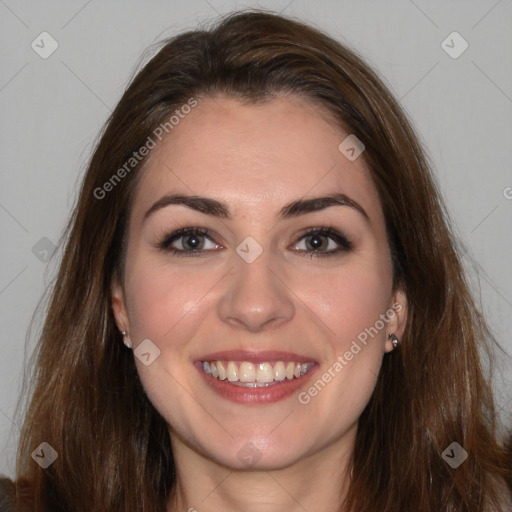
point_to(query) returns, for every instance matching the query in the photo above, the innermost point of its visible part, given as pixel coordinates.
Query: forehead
(254, 156)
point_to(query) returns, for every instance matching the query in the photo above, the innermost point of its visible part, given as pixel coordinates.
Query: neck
(316, 482)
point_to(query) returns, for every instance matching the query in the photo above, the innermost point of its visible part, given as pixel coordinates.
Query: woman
(260, 305)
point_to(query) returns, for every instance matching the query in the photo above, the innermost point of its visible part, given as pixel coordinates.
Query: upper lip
(255, 356)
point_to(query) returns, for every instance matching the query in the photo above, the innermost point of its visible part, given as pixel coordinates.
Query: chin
(250, 458)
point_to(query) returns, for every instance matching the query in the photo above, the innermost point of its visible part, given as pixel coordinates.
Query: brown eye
(188, 242)
(323, 242)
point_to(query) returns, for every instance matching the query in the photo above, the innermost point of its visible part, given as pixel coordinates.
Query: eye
(322, 242)
(315, 242)
(188, 242)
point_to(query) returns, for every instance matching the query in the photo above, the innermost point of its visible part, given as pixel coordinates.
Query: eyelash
(345, 245)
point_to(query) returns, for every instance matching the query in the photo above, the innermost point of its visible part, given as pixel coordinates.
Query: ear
(119, 307)
(397, 318)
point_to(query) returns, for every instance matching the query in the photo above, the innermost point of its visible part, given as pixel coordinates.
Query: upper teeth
(245, 371)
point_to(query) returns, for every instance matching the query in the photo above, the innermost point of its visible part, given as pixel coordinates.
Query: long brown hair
(88, 402)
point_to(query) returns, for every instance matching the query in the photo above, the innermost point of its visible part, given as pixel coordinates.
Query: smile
(248, 374)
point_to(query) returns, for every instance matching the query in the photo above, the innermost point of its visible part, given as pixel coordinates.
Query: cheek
(164, 299)
(349, 299)
(167, 306)
(351, 303)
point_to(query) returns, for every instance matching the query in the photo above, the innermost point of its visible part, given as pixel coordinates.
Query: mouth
(255, 378)
(254, 375)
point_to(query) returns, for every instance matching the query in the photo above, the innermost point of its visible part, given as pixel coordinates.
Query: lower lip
(262, 395)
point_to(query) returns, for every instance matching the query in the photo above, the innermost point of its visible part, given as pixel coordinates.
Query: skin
(256, 159)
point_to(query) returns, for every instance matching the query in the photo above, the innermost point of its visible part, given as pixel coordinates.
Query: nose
(256, 297)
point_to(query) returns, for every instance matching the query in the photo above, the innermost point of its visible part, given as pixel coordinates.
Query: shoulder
(14, 497)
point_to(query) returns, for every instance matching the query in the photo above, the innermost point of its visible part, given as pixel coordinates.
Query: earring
(126, 340)
(394, 340)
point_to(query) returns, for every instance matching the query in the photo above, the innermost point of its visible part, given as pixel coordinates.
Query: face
(293, 297)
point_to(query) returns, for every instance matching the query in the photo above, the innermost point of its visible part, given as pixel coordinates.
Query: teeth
(247, 372)
(232, 372)
(221, 369)
(265, 373)
(251, 374)
(279, 371)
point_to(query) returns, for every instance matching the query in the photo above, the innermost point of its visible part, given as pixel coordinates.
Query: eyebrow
(219, 209)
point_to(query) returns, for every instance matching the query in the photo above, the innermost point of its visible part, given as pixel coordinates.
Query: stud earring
(394, 340)
(126, 340)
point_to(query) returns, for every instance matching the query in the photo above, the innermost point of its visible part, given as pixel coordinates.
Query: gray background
(52, 109)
